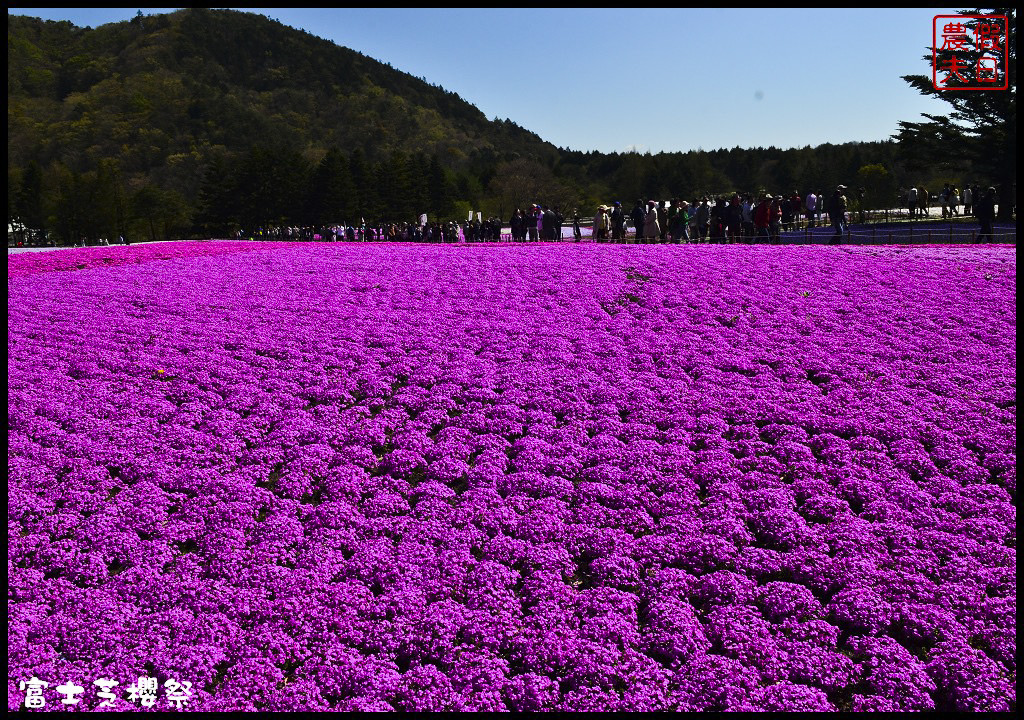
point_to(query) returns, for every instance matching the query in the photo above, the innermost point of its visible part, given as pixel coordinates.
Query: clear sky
(644, 79)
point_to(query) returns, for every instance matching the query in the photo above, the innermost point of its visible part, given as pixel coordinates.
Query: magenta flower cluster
(525, 478)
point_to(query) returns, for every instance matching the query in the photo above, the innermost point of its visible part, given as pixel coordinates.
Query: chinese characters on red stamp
(969, 52)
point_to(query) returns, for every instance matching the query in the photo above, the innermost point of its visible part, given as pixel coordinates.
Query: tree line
(272, 185)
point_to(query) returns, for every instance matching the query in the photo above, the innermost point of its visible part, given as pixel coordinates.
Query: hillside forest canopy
(201, 122)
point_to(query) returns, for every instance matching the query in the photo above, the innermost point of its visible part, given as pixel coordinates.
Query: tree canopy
(979, 134)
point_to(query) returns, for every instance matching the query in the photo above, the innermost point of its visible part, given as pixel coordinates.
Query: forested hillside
(200, 121)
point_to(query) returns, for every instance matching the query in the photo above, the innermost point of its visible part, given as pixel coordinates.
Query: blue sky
(653, 80)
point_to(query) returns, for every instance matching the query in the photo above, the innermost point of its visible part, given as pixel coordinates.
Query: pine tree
(332, 195)
(219, 212)
(365, 187)
(29, 204)
(440, 190)
(980, 133)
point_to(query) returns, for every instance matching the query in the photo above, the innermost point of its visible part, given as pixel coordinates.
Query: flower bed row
(26, 264)
(579, 478)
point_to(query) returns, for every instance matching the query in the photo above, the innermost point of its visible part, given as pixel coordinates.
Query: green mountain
(163, 86)
(200, 121)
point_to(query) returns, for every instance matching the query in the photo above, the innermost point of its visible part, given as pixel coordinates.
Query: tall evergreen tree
(979, 134)
(218, 212)
(67, 202)
(29, 203)
(365, 187)
(270, 182)
(107, 207)
(332, 193)
(440, 190)
(419, 169)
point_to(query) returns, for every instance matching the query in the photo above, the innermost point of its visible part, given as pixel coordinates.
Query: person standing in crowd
(811, 203)
(516, 225)
(747, 219)
(703, 219)
(967, 200)
(796, 204)
(775, 219)
(577, 233)
(666, 228)
(985, 210)
(680, 223)
(944, 200)
(662, 220)
(912, 202)
(763, 219)
(601, 225)
(734, 218)
(548, 222)
(954, 201)
(559, 222)
(618, 220)
(718, 220)
(714, 220)
(638, 216)
(531, 223)
(652, 230)
(837, 212)
(787, 212)
(924, 200)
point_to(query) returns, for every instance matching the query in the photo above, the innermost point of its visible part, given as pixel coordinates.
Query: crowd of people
(918, 200)
(724, 219)
(439, 232)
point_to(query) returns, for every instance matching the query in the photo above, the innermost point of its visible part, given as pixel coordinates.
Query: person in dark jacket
(703, 217)
(733, 218)
(518, 226)
(638, 215)
(662, 221)
(985, 211)
(837, 211)
(618, 222)
(718, 212)
(679, 224)
(548, 222)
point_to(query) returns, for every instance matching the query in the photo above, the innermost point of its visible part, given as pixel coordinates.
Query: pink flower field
(590, 477)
